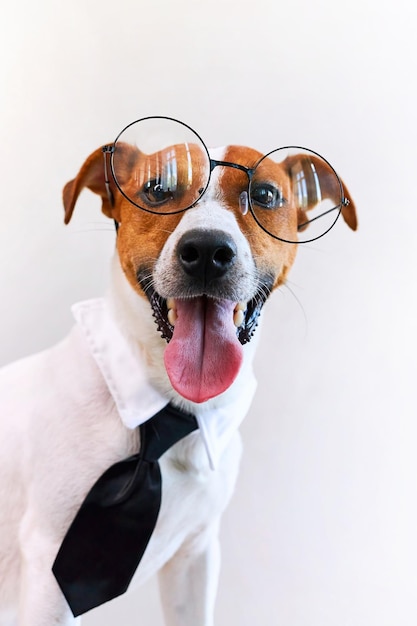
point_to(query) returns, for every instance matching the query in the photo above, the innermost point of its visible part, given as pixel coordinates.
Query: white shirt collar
(135, 397)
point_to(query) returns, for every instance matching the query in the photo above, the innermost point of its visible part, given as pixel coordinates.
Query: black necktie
(109, 535)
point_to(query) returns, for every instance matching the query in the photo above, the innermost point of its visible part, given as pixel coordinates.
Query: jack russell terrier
(203, 238)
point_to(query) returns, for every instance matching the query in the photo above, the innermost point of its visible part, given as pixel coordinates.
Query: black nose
(206, 255)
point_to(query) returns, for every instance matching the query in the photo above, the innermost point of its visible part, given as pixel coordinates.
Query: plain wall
(322, 529)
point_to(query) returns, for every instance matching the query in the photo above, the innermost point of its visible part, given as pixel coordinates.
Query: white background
(322, 529)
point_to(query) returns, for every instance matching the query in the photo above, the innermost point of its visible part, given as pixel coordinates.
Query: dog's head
(206, 254)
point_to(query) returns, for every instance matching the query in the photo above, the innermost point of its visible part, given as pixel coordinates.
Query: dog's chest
(193, 499)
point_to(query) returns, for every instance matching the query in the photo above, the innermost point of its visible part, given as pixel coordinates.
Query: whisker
(299, 303)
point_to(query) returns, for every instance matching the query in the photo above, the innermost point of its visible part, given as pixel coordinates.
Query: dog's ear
(92, 176)
(329, 187)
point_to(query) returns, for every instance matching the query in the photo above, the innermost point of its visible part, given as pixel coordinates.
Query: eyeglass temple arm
(106, 151)
(345, 202)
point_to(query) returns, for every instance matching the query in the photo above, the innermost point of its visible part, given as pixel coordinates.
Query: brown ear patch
(349, 210)
(92, 176)
(329, 187)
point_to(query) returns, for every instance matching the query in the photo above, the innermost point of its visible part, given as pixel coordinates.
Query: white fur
(208, 216)
(60, 430)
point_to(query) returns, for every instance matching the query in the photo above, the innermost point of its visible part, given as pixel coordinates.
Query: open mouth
(204, 338)
(245, 314)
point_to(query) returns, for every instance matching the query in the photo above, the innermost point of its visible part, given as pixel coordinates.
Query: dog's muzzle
(204, 321)
(204, 260)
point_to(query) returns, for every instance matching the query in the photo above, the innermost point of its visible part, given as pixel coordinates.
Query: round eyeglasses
(162, 166)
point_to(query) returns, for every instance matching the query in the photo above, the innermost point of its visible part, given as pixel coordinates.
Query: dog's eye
(267, 196)
(155, 193)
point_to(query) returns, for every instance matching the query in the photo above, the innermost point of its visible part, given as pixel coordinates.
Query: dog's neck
(132, 374)
(133, 314)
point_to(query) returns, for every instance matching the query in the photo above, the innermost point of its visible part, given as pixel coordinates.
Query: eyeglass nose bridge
(248, 170)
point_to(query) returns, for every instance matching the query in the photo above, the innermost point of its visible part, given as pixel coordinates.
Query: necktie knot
(165, 429)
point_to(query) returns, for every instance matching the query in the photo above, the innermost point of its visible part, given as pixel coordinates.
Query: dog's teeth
(238, 318)
(172, 316)
(239, 313)
(172, 312)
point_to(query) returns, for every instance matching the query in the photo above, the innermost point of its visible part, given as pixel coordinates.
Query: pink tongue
(204, 355)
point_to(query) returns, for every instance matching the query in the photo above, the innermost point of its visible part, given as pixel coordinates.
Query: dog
(178, 325)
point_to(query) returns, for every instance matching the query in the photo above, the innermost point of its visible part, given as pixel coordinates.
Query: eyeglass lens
(295, 187)
(161, 165)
